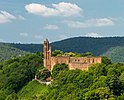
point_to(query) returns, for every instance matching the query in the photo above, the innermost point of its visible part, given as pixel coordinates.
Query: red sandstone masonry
(82, 63)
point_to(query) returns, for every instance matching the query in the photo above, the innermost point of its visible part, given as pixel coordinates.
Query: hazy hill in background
(7, 52)
(112, 47)
(97, 46)
(116, 53)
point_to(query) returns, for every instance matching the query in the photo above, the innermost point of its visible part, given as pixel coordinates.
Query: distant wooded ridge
(77, 44)
(98, 46)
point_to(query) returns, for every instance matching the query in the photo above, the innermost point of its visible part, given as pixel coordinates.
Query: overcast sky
(31, 21)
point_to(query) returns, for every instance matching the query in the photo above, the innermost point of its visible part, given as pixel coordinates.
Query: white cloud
(6, 17)
(50, 27)
(93, 34)
(21, 17)
(24, 34)
(90, 23)
(38, 37)
(60, 9)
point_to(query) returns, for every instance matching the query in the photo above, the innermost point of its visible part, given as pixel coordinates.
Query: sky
(32, 21)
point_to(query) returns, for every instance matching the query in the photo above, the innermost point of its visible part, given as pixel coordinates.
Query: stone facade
(82, 63)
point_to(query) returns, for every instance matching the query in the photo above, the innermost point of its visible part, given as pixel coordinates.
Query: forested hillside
(33, 48)
(7, 52)
(111, 47)
(17, 72)
(98, 46)
(116, 54)
(100, 82)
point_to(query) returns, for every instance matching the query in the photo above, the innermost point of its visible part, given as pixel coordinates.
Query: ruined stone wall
(59, 60)
(81, 66)
(83, 63)
(98, 60)
(85, 59)
(75, 62)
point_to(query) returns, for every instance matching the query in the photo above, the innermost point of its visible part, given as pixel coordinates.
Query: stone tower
(47, 55)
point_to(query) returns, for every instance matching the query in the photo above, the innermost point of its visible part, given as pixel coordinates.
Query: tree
(88, 54)
(15, 73)
(12, 96)
(2, 95)
(57, 53)
(114, 84)
(57, 68)
(43, 74)
(106, 60)
(121, 78)
(121, 97)
(102, 93)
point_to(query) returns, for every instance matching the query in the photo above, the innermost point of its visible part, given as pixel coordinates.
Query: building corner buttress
(47, 55)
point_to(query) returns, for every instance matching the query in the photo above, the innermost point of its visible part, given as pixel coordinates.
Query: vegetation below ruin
(17, 72)
(32, 90)
(101, 81)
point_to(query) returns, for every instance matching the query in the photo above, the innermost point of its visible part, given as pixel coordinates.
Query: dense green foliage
(7, 52)
(100, 82)
(71, 54)
(32, 91)
(116, 54)
(43, 74)
(16, 72)
(106, 60)
(57, 68)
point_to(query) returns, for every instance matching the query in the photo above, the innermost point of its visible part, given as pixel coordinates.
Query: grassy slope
(116, 54)
(6, 52)
(31, 90)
